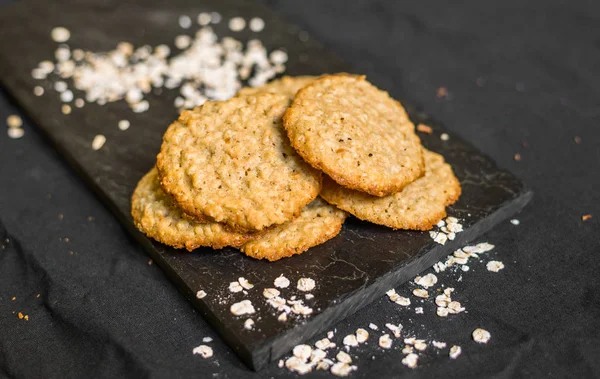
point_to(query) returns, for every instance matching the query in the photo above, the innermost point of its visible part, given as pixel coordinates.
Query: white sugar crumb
(495, 266)
(98, 142)
(306, 284)
(465, 268)
(444, 137)
(200, 294)
(185, 21)
(342, 369)
(373, 326)
(281, 282)
(410, 360)
(15, 133)
(204, 351)
(60, 34)
(237, 24)
(245, 283)
(420, 292)
(385, 341)
(438, 344)
(481, 335)
(123, 125)
(235, 287)
(249, 324)
(455, 351)
(270, 293)
(14, 121)
(426, 281)
(419, 310)
(361, 335)
(515, 222)
(344, 357)
(396, 329)
(282, 317)
(350, 340)
(256, 24)
(302, 352)
(242, 308)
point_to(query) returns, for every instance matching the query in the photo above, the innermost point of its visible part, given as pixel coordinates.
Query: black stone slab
(351, 270)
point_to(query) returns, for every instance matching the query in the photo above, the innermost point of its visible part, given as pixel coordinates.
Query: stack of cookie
(248, 172)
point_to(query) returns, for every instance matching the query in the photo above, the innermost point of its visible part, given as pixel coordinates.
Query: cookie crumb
(204, 351)
(517, 157)
(481, 335)
(419, 292)
(495, 266)
(424, 129)
(586, 217)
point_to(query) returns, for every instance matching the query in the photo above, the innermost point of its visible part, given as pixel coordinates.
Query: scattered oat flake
(442, 312)
(514, 221)
(235, 287)
(426, 281)
(330, 334)
(344, 357)
(297, 365)
(350, 340)
(495, 266)
(424, 129)
(396, 329)
(420, 345)
(282, 317)
(323, 344)
(481, 335)
(586, 217)
(124, 124)
(201, 294)
(455, 351)
(306, 284)
(302, 352)
(373, 326)
(26, 317)
(419, 292)
(14, 121)
(362, 335)
(270, 293)
(281, 282)
(98, 142)
(207, 339)
(410, 360)
(60, 34)
(385, 341)
(407, 349)
(438, 344)
(204, 351)
(342, 369)
(309, 296)
(242, 308)
(249, 324)
(15, 133)
(245, 283)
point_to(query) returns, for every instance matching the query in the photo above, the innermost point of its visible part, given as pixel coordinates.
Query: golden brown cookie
(287, 85)
(318, 222)
(155, 214)
(231, 162)
(355, 133)
(419, 206)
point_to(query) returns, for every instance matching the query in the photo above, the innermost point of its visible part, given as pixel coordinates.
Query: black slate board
(351, 270)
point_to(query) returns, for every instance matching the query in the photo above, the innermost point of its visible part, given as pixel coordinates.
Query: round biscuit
(231, 162)
(287, 85)
(318, 222)
(155, 214)
(419, 206)
(355, 133)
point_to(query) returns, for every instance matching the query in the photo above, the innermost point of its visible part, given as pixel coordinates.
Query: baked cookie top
(355, 133)
(231, 161)
(318, 222)
(419, 206)
(155, 214)
(287, 85)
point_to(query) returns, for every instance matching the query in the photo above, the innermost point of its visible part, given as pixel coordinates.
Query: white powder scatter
(426, 281)
(350, 340)
(455, 351)
(235, 287)
(410, 360)
(306, 284)
(185, 21)
(249, 324)
(324, 344)
(385, 341)
(495, 266)
(281, 282)
(98, 142)
(204, 351)
(419, 292)
(60, 34)
(15, 133)
(237, 24)
(201, 294)
(481, 335)
(515, 222)
(257, 24)
(124, 125)
(242, 308)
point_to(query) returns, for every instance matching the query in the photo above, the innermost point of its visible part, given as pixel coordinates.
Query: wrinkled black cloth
(522, 78)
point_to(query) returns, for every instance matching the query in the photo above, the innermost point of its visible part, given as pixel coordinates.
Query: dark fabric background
(518, 74)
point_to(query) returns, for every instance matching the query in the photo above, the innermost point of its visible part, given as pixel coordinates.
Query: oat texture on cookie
(318, 222)
(356, 134)
(419, 206)
(231, 162)
(155, 214)
(287, 85)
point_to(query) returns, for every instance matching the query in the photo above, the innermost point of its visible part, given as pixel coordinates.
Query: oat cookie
(155, 214)
(231, 162)
(355, 133)
(419, 206)
(317, 223)
(287, 85)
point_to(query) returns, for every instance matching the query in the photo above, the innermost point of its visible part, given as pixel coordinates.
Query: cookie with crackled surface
(231, 162)
(419, 206)
(355, 133)
(318, 222)
(287, 85)
(155, 214)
